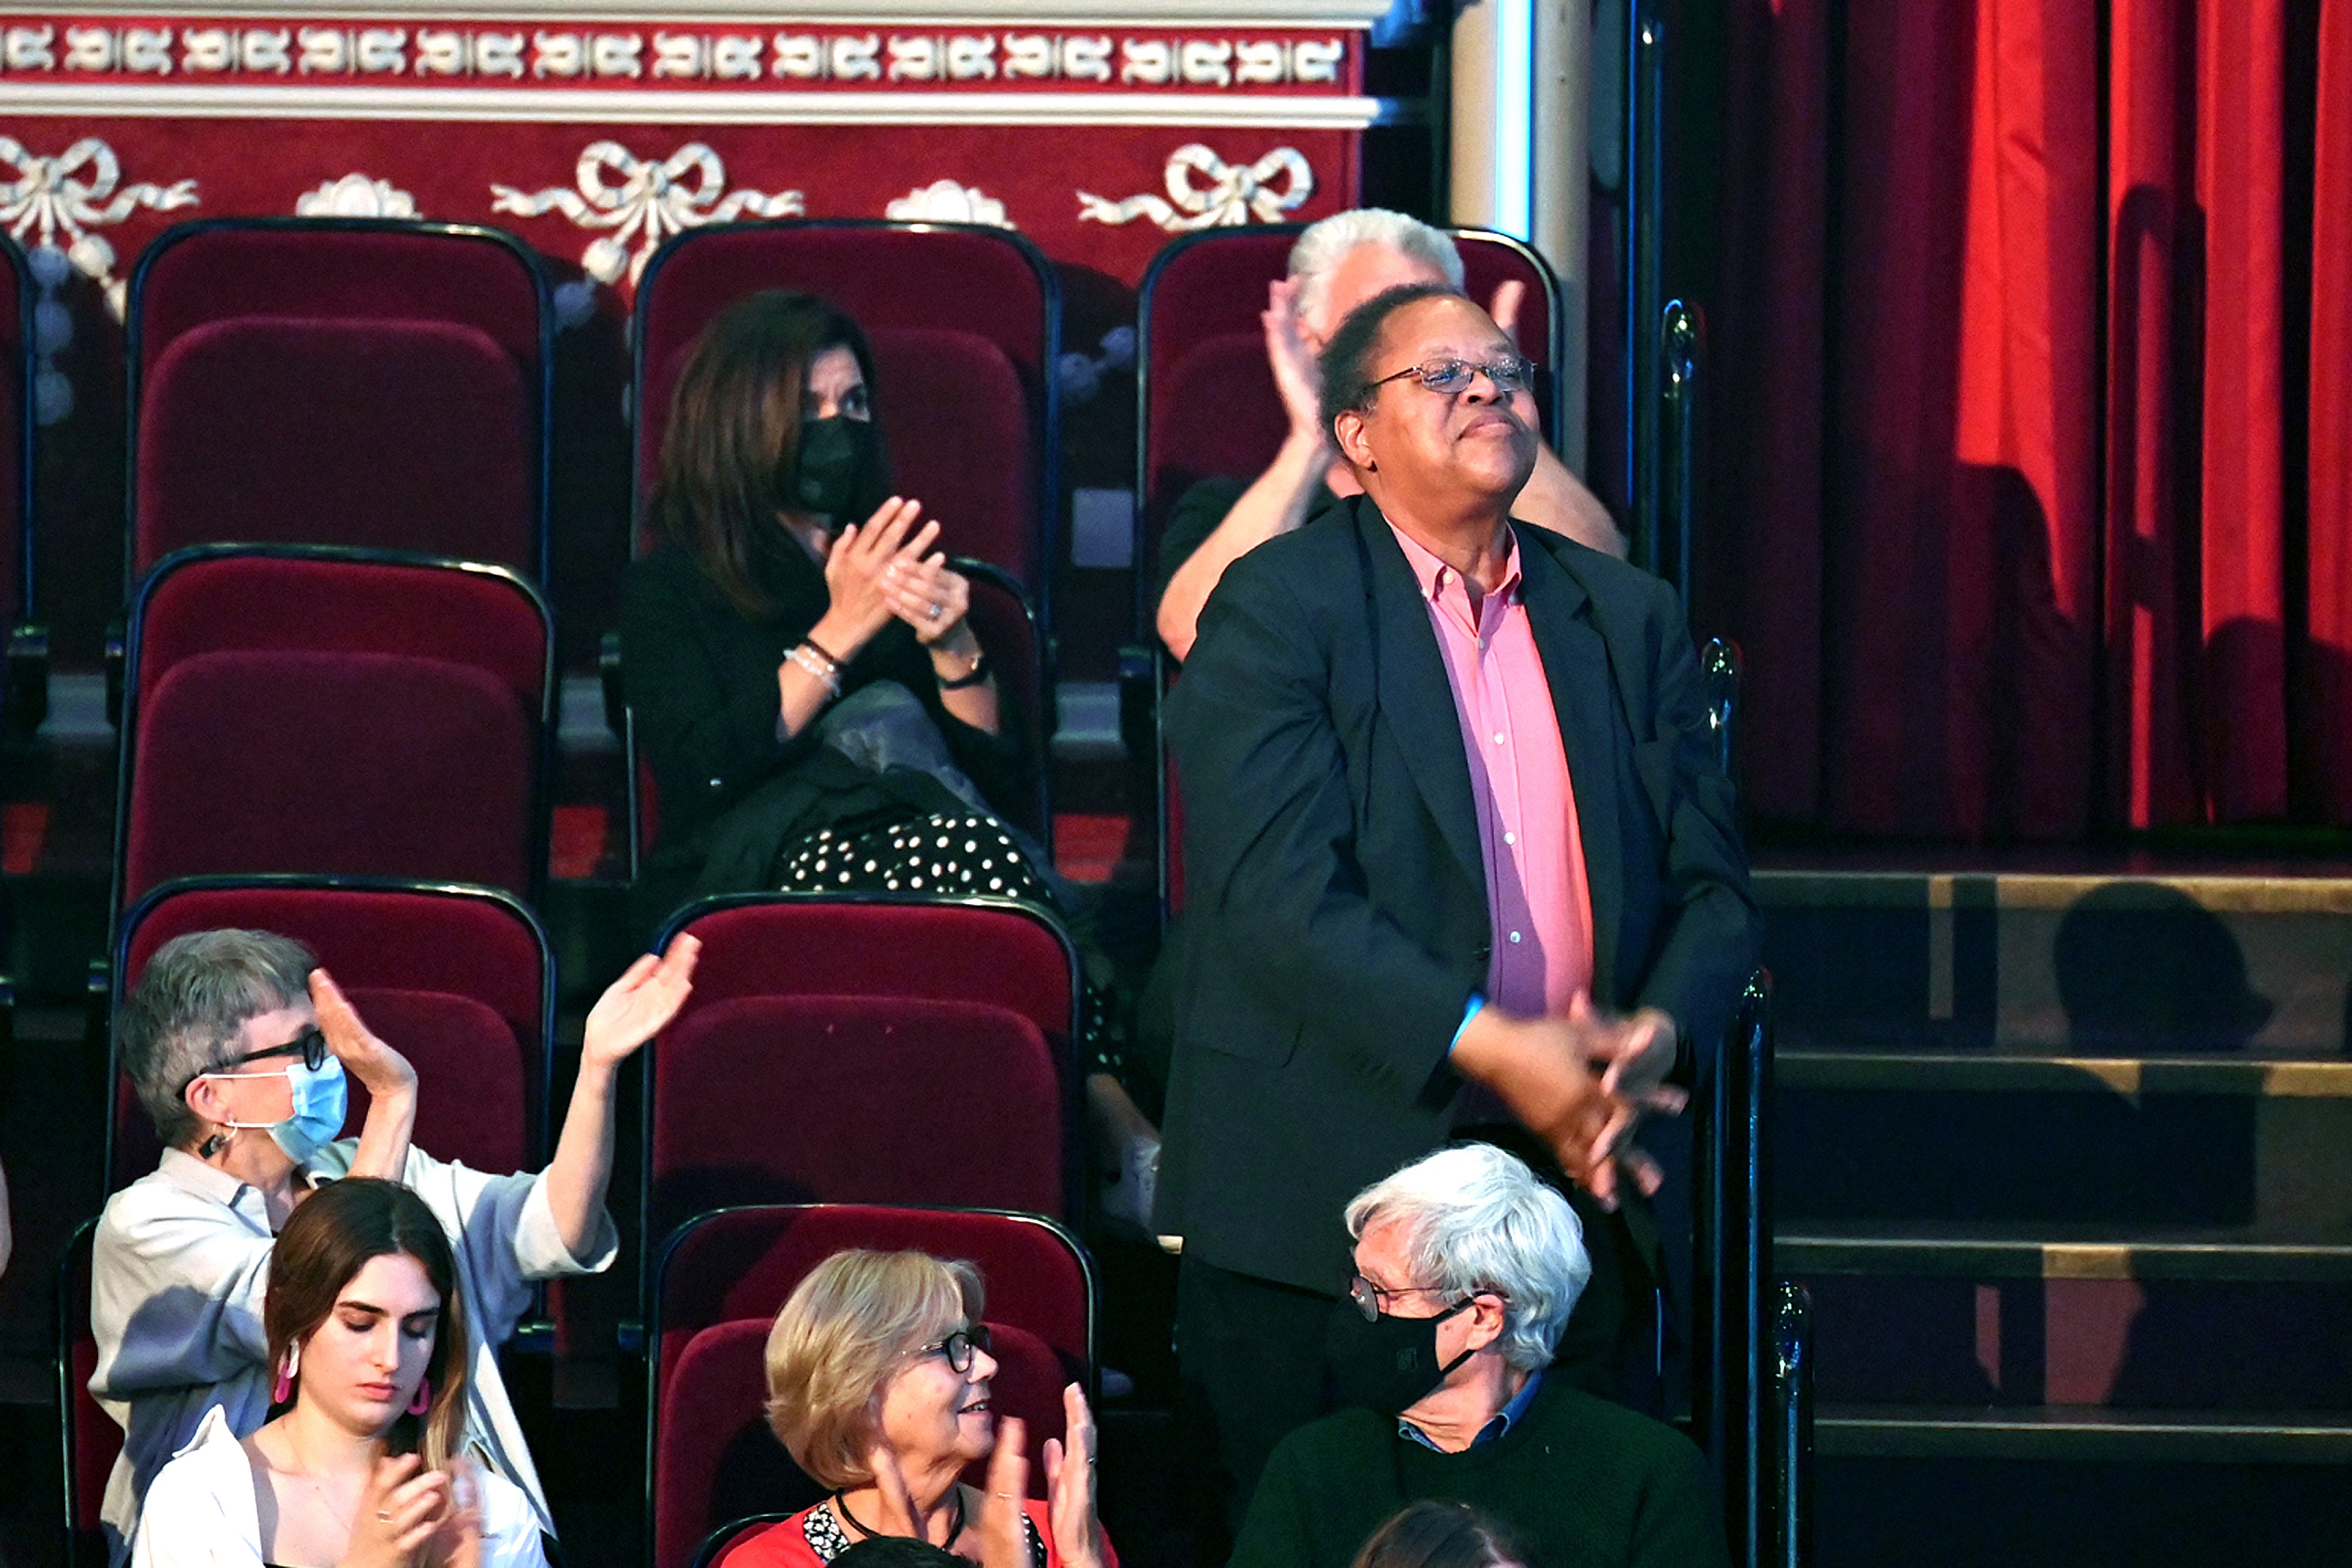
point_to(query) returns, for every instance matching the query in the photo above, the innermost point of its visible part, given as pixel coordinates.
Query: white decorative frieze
(642, 202)
(355, 195)
(1233, 193)
(482, 51)
(944, 201)
(58, 204)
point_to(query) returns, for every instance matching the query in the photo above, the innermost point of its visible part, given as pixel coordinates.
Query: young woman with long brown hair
(362, 1464)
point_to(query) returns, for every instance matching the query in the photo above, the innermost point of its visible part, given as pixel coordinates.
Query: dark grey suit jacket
(1336, 921)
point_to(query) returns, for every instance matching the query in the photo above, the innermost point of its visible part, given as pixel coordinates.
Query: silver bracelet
(812, 663)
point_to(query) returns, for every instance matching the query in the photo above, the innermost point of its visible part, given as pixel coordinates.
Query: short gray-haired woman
(239, 1045)
(1467, 1268)
(879, 1384)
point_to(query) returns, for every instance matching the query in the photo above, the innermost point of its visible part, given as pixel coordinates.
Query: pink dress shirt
(1536, 895)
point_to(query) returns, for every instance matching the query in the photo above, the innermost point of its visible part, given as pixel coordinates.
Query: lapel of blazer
(1414, 692)
(1583, 694)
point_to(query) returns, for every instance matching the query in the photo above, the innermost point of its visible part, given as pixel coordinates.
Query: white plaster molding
(1243, 14)
(239, 101)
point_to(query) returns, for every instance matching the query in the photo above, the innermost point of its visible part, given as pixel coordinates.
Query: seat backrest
(92, 1438)
(714, 1460)
(482, 284)
(1005, 954)
(851, 1100)
(1210, 408)
(405, 435)
(334, 712)
(743, 1262)
(960, 317)
(460, 980)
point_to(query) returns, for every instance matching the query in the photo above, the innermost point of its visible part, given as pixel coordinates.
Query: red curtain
(2015, 289)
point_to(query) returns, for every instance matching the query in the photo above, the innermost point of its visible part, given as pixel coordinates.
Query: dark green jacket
(1581, 1482)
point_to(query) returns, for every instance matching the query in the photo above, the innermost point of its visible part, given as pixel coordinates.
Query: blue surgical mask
(321, 1099)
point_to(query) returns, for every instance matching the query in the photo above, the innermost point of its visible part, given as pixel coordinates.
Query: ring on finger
(937, 610)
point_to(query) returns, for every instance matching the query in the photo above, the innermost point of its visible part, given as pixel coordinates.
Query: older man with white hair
(1467, 1268)
(1336, 266)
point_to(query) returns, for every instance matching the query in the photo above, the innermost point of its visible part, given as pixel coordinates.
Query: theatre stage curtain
(2034, 426)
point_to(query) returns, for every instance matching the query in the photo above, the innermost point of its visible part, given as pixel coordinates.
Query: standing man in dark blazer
(1458, 849)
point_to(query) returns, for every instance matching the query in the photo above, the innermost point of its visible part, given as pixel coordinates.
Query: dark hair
(332, 1236)
(898, 1552)
(1434, 1534)
(735, 422)
(1346, 363)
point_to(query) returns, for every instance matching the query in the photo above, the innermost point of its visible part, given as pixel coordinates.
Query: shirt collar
(185, 1169)
(1434, 577)
(1504, 1420)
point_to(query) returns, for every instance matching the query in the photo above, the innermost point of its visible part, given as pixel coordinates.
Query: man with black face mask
(1467, 1268)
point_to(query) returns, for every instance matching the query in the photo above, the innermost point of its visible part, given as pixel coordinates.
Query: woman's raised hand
(401, 1508)
(379, 1070)
(925, 594)
(634, 1008)
(1070, 1485)
(853, 574)
(457, 1540)
(1003, 1543)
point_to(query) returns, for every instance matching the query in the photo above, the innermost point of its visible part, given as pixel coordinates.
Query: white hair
(1476, 1218)
(1324, 245)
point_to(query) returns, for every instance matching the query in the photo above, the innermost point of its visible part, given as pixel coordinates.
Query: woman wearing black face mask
(805, 683)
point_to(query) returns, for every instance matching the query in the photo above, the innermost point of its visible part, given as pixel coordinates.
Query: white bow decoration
(644, 201)
(58, 200)
(1232, 194)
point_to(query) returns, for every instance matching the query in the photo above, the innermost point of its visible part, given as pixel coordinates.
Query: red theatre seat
(852, 1099)
(16, 332)
(715, 1461)
(1210, 404)
(963, 322)
(333, 712)
(339, 381)
(459, 980)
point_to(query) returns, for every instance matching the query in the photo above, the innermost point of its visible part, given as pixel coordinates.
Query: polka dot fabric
(942, 856)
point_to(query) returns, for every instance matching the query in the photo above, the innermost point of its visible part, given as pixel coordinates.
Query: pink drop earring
(284, 1389)
(423, 1400)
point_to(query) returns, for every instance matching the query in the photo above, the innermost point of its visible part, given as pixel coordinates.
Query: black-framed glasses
(1450, 377)
(957, 1346)
(1372, 1299)
(309, 1045)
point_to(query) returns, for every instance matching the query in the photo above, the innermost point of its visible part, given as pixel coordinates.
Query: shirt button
(1510, 839)
(1515, 936)
(1499, 737)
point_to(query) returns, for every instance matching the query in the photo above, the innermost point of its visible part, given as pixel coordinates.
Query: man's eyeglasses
(309, 1045)
(1370, 1300)
(957, 1346)
(1451, 377)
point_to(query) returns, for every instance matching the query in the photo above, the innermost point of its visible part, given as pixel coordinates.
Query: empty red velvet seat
(335, 712)
(340, 381)
(963, 322)
(1210, 408)
(978, 949)
(715, 1461)
(852, 1099)
(460, 980)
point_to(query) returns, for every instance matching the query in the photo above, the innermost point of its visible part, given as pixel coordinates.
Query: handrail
(1646, 215)
(1734, 1260)
(1720, 669)
(1682, 354)
(1792, 1397)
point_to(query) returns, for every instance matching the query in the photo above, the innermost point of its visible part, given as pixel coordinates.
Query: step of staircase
(2199, 1321)
(2129, 964)
(2041, 1138)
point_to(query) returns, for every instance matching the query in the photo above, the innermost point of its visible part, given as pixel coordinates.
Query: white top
(179, 1271)
(203, 1512)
